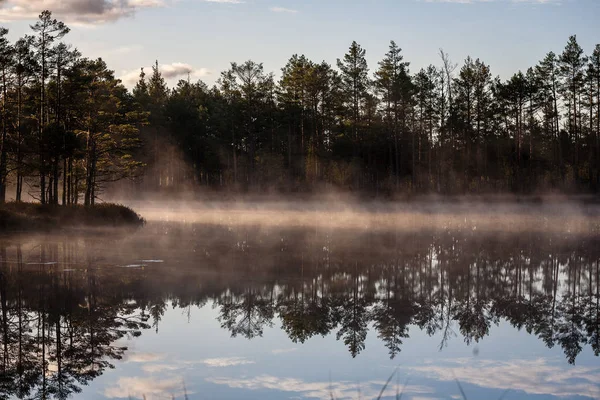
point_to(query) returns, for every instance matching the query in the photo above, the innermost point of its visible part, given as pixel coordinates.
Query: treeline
(445, 129)
(68, 126)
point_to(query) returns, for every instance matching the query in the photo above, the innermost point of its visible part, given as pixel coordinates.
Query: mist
(503, 214)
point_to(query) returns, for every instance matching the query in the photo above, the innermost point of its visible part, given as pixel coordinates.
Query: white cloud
(226, 361)
(169, 71)
(283, 10)
(83, 12)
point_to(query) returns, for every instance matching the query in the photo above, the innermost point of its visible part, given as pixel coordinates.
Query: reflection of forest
(64, 302)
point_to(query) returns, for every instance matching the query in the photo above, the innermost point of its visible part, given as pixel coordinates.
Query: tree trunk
(41, 129)
(64, 182)
(3, 144)
(55, 180)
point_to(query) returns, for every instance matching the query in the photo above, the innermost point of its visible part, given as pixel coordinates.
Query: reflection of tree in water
(246, 314)
(305, 311)
(61, 329)
(352, 312)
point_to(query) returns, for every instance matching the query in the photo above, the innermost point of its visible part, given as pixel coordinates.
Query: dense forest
(70, 128)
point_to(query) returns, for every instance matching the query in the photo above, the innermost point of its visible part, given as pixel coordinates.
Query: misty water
(280, 303)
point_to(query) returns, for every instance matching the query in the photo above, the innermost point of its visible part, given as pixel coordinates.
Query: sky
(200, 38)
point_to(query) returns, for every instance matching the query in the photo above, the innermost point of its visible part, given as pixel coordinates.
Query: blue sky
(203, 36)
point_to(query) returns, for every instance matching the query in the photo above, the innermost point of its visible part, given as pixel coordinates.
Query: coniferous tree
(548, 80)
(293, 95)
(392, 82)
(46, 31)
(355, 80)
(572, 62)
(157, 97)
(24, 67)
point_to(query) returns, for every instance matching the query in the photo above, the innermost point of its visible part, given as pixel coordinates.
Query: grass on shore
(33, 216)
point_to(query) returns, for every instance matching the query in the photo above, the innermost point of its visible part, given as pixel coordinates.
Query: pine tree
(111, 130)
(140, 91)
(547, 72)
(355, 80)
(46, 30)
(24, 68)
(572, 62)
(157, 99)
(293, 95)
(392, 81)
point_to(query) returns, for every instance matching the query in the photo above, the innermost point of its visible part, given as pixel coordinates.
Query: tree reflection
(59, 328)
(65, 307)
(246, 314)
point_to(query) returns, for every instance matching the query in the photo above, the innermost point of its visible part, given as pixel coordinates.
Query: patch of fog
(499, 214)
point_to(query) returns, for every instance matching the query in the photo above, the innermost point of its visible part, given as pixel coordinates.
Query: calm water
(240, 311)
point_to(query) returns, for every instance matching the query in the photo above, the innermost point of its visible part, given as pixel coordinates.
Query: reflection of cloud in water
(156, 368)
(320, 390)
(284, 351)
(530, 376)
(143, 357)
(149, 388)
(226, 361)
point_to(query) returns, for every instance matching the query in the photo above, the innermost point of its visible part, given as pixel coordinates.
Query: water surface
(225, 310)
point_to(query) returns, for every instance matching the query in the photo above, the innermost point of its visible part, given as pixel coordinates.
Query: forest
(71, 129)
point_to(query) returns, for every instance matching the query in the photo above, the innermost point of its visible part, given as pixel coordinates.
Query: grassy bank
(33, 216)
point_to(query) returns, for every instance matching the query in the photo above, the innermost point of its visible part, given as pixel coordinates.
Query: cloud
(283, 10)
(79, 12)
(320, 390)
(530, 376)
(226, 361)
(168, 71)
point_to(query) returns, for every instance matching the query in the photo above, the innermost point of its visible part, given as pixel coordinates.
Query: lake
(278, 303)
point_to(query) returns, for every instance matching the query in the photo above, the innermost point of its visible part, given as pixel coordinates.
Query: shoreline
(34, 217)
